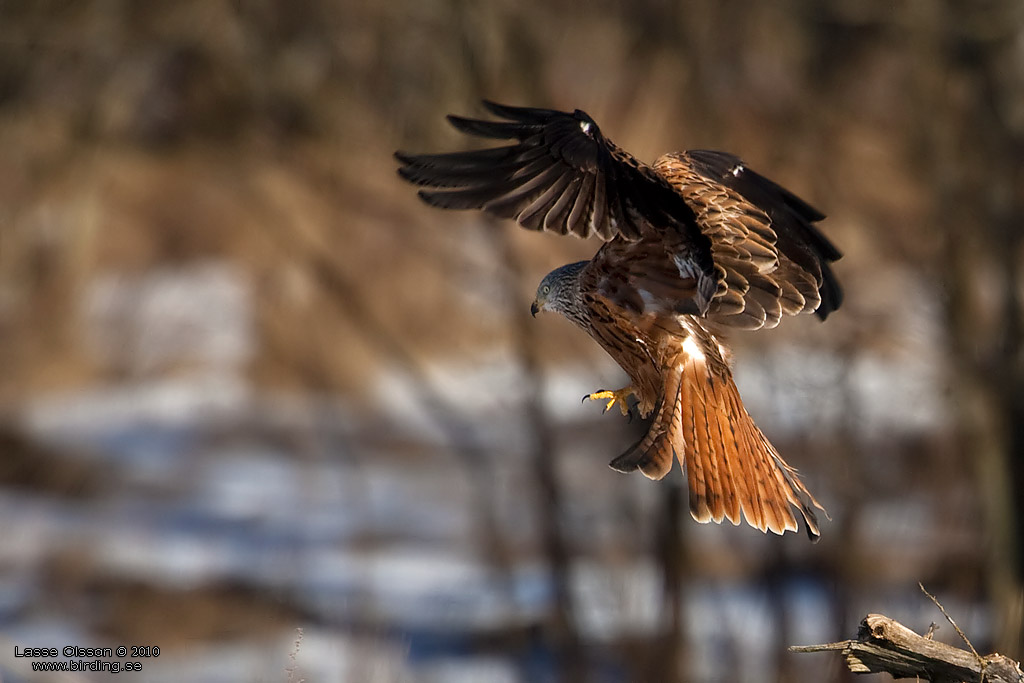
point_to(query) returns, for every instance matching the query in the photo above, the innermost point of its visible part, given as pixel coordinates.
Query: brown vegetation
(152, 137)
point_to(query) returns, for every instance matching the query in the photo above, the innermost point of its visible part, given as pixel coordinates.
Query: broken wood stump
(885, 645)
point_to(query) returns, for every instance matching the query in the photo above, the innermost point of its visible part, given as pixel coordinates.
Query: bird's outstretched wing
(562, 175)
(771, 258)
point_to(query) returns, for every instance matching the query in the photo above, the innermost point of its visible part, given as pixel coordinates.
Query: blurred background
(261, 408)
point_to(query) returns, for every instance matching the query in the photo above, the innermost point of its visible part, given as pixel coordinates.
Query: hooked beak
(534, 309)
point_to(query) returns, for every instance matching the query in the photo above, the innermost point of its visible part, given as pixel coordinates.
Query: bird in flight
(695, 246)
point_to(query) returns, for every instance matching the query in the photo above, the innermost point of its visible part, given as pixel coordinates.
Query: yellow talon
(619, 396)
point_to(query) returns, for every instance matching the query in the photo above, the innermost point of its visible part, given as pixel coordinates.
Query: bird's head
(557, 291)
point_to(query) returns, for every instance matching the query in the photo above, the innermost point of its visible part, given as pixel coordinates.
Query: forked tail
(731, 468)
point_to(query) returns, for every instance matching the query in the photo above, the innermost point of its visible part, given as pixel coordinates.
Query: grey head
(559, 291)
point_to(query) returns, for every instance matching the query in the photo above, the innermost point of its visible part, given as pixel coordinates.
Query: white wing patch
(692, 349)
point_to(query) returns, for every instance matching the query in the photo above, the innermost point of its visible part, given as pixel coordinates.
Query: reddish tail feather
(733, 471)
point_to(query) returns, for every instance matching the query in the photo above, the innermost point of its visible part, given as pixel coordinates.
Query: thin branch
(949, 619)
(543, 450)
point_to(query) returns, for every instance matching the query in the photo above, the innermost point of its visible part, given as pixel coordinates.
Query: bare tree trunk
(543, 450)
(980, 216)
(668, 658)
(542, 447)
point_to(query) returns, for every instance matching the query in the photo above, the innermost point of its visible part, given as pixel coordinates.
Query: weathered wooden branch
(885, 645)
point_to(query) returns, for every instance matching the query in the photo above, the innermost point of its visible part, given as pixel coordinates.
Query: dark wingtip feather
(831, 292)
(461, 123)
(503, 110)
(813, 534)
(630, 460)
(404, 171)
(501, 130)
(436, 198)
(530, 115)
(821, 244)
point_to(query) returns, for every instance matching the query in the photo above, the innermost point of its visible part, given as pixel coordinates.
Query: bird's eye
(545, 289)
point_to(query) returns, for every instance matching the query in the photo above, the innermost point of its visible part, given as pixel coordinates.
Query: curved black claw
(634, 410)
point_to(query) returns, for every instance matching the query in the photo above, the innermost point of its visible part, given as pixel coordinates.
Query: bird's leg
(620, 396)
